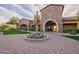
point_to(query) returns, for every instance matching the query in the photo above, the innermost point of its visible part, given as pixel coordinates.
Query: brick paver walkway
(56, 44)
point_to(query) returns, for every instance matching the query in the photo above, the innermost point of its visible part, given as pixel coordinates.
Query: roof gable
(52, 5)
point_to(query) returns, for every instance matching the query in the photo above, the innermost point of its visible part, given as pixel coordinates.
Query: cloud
(28, 10)
(26, 7)
(6, 14)
(16, 14)
(18, 9)
(36, 7)
(3, 19)
(24, 12)
(70, 10)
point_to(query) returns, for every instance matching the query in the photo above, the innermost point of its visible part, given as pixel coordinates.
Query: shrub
(5, 27)
(32, 29)
(67, 30)
(77, 30)
(71, 30)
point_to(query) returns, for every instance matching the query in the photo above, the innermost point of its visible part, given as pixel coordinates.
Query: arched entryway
(50, 25)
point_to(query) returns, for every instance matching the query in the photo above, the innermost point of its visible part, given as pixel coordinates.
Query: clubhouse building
(51, 20)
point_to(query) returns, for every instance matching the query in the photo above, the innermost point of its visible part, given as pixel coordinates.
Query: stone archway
(50, 25)
(52, 12)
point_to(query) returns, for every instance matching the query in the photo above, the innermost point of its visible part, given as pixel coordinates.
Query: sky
(28, 10)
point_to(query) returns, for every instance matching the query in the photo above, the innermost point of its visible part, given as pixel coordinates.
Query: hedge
(70, 30)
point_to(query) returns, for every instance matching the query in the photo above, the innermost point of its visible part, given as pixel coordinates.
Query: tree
(14, 21)
(77, 16)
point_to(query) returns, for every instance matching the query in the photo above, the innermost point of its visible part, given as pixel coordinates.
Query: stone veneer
(53, 13)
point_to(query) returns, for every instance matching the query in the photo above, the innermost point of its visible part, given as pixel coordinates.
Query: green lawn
(72, 37)
(15, 32)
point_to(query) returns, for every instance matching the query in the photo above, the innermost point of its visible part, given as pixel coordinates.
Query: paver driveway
(56, 44)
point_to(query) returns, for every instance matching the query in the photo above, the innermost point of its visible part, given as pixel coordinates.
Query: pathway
(56, 44)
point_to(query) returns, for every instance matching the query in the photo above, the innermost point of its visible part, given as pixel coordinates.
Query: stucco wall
(70, 26)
